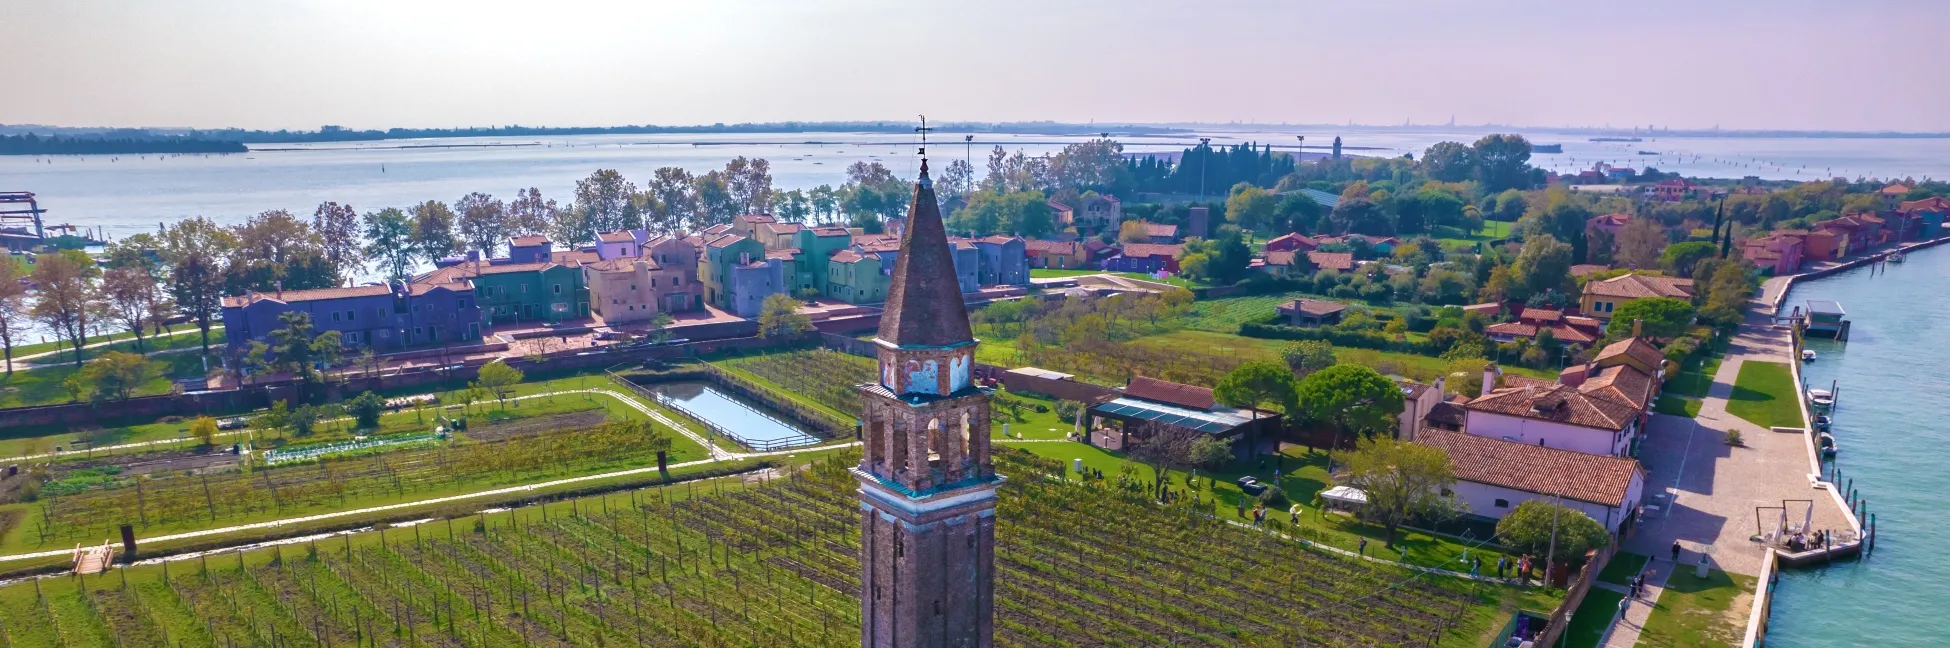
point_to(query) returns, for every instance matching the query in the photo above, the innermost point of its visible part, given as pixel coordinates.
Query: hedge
(1353, 339)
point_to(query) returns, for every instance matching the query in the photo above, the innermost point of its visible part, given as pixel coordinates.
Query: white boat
(1821, 397)
(1807, 355)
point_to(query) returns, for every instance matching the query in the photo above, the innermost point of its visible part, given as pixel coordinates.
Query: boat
(1616, 139)
(1822, 422)
(1821, 398)
(1827, 444)
(1896, 256)
(1547, 148)
(1807, 355)
(1648, 152)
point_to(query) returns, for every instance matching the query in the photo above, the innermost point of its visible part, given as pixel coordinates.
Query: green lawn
(216, 335)
(1765, 394)
(1417, 367)
(1225, 314)
(1032, 424)
(1491, 231)
(124, 342)
(1592, 618)
(1695, 381)
(1305, 475)
(1623, 566)
(1692, 611)
(42, 385)
(1676, 405)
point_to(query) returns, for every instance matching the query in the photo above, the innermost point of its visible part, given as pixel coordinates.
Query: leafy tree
(66, 299)
(749, 181)
(1360, 216)
(295, 350)
(1502, 162)
(196, 288)
(1252, 208)
(1544, 264)
(1641, 242)
(1531, 527)
(1404, 482)
(1353, 398)
(530, 214)
(1679, 259)
(1133, 232)
(1164, 448)
(127, 292)
(204, 430)
(1660, 317)
(1257, 383)
(118, 374)
(716, 205)
(389, 240)
(1308, 356)
(13, 306)
(338, 234)
(1449, 161)
(499, 378)
(433, 230)
(303, 420)
(1223, 261)
(483, 222)
(779, 316)
(366, 408)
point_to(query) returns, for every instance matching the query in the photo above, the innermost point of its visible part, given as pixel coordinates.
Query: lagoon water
(126, 194)
(1892, 425)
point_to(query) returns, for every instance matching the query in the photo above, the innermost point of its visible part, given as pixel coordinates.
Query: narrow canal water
(1892, 426)
(753, 423)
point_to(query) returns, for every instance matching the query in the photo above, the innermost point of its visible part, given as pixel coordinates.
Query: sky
(1777, 64)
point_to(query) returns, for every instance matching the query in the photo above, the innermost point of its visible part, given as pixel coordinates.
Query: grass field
(1417, 367)
(737, 562)
(1623, 566)
(180, 343)
(41, 385)
(216, 335)
(1492, 230)
(1592, 618)
(1765, 395)
(1224, 315)
(1693, 611)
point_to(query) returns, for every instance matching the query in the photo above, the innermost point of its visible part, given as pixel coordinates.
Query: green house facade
(522, 293)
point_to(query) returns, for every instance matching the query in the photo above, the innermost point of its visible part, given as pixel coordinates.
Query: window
(558, 289)
(351, 315)
(632, 287)
(380, 313)
(524, 289)
(1503, 503)
(335, 316)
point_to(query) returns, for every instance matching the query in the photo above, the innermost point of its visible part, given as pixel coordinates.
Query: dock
(1827, 319)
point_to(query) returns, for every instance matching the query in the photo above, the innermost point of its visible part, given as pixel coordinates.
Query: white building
(1493, 476)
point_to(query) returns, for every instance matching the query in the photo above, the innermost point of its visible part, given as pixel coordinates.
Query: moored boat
(1807, 355)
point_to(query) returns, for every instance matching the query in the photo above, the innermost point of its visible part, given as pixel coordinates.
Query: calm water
(753, 422)
(1893, 428)
(133, 193)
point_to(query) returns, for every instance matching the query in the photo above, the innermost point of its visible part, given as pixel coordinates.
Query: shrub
(1733, 439)
(1274, 498)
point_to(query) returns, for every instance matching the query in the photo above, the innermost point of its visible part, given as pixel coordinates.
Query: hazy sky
(1855, 65)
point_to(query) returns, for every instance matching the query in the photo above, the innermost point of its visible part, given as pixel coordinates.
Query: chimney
(1638, 326)
(280, 289)
(1490, 372)
(1438, 387)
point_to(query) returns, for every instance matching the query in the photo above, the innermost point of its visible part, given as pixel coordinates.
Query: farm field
(1224, 315)
(1492, 230)
(735, 562)
(556, 438)
(1245, 349)
(821, 378)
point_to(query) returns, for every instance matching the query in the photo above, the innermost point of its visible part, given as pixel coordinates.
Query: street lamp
(1205, 160)
(968, 158)
(1302, 157)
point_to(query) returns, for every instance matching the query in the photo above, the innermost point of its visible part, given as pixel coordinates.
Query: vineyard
(825, 376)
(759, 565)
(185, 499)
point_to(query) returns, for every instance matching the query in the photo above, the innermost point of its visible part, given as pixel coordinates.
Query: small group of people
(1800, 542)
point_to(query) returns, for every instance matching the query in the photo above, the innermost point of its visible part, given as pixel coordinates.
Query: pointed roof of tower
(924, 305)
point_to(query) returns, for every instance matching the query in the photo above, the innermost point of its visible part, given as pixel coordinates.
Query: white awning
(1344, 495)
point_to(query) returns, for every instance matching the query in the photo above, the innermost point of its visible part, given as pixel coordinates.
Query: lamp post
(1302, 157)
(968, 158)
(1205, 160)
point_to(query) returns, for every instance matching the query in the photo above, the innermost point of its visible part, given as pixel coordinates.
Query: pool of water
(752, 424)
(1890, 424)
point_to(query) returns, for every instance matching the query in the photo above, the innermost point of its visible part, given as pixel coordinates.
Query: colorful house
(1672, 189)
(1100, 214)
(1532, 322)
(385, 318)
(1061, 255)
(1779, 253)
(663, 280)
(1003, 261)
(738, 276)
(529, 249)
(1608, 223)
(1926, 217)
(1604, 296)
(1294, 242)
(1146, 258)
(515, 293)
(621, 244)
(1062, 215)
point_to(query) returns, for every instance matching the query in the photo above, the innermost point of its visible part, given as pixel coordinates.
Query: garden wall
(1071, 390)
(1574, 595)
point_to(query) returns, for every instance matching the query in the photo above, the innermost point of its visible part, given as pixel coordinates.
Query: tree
(293, 348)
(1257, 383)
(1164, 448)
(13, 306)
(530, 214)
(1660, 317)
(1133, 232)
(499, 378)
(118, 374)
(824, 202)
(602, 197)
(715, 202)
(779, 316)
(127, 293)
(303, 420)
(1308, 356)
(66, 299)
(204, 430)
(1403, 481)
(338, 233)
(433, 230)
(1502, 162)
(389, 240)
(1359, 216)
(1353, 398)
(750, 184)
(1540, 528)
(1679, 259)
(1449, 161)
(366, 409)
(1641, 242)
(1252, 208)
(196, 287)
(483, 222)
(1544, 264)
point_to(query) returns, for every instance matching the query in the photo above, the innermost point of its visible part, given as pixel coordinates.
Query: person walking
(1364, 547)
(1623, 605)
(1638, 585)
(1675, 551)
(1501, 563)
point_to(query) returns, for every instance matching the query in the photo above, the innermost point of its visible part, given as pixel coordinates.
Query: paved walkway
(1624, 630)
(1711, 490)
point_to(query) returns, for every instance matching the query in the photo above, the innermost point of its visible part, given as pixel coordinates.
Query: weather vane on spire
(923, 130)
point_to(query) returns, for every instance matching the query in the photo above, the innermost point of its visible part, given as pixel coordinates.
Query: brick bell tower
(927, 488)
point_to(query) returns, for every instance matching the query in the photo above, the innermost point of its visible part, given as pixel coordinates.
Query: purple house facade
(385, 318)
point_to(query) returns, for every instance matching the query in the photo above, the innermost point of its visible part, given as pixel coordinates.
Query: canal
(752, 424)
(1892, 425)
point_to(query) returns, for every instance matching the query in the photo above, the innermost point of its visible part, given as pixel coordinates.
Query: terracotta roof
(1583, 269)
(1597, 479)
(1512, 329)
(1151, 249)
(1621, 383)
(623, 264)
(783, 228)
(1059, 206)
(719, 228)
(1313, 306)
(1094, 245)
(1636, 348)
(316, 294)
(573, 257)
(1572, 335)
(616, 237)
(724, 241)
(997, 239)
(1164, 391)
(1280, 257)
(1413, 390)
(1895, 189)
(1541, 315)
(1614, 219)
(782, 253)
(1634, 286)
(1051, 247)
(847, 256)
(528, 241)
(1930, 204)
(1166, 230)
(758, 218)
(1557, 403)
(1301, 239)
(1332, 260)
(924, 303)
(830, 230)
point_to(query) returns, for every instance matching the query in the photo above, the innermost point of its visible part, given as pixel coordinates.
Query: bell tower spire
(927, 486)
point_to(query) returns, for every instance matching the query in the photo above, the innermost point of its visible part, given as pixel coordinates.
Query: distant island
(52, 140)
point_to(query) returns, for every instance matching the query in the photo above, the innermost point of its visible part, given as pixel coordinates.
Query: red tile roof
(1613, 219)
(1165, 230)
(1332, 260)
(623, 264)
(316, 294)
(615, 237)
(1541, 315)
(1634, 348)
(1164, 391)
(1556, 403)
(528, 241)
(1044, 246)
(1621, 383)
(1930, 204)
(1312, 307)
(724, 241)
(1634, 286)
(1281, 257)
(1597, 479)
(1895, 189)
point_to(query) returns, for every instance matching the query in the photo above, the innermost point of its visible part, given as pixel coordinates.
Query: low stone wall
(1574, 594)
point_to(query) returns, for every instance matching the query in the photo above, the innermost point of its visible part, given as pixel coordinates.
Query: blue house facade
(386, 318)
(1004, 261)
